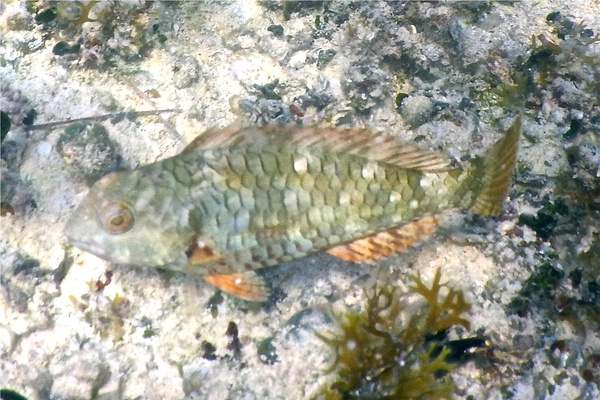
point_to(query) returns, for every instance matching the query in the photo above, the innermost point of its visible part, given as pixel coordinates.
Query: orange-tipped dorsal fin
(385, 243)
(376, 146)
(247, 285)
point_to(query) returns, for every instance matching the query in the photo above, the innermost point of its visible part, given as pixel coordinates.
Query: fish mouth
(72, 232)
(87, 247)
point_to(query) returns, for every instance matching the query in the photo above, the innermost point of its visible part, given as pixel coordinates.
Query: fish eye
(116, 218)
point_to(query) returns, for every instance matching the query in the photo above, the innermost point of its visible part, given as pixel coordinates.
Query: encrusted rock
(89, 148)
(80, 376)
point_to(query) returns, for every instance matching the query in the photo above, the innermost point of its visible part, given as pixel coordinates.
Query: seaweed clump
(388, 351)
(116, 30)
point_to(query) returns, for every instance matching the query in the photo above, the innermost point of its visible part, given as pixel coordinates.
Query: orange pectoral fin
(385, 243)
(201, 251)
(245, 285)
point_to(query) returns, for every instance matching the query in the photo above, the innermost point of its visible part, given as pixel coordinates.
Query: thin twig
(122, 114)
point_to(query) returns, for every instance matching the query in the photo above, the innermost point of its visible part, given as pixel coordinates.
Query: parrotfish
(238, 199)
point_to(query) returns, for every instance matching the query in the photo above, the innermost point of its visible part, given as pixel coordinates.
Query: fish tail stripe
(497, 169)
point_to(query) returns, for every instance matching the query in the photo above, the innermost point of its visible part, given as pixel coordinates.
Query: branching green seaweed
(383, 353)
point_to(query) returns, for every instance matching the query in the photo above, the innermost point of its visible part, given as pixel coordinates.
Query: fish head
(122, 220)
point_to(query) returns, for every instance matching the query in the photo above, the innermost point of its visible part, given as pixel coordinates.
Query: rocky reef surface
(89, 87)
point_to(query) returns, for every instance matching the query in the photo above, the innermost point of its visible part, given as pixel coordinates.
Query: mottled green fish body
(241, 199)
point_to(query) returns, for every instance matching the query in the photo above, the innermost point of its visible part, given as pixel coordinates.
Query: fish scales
(227, 206)
(298, 220)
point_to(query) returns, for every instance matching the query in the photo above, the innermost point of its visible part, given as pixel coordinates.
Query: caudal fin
(496, 171)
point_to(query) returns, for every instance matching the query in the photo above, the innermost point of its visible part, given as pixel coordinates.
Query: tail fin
(496, 172)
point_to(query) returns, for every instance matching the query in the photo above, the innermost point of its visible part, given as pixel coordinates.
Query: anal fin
(246, 285)
(383, 244)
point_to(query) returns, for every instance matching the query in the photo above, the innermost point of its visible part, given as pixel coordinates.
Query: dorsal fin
(375, 146)
(383, 244)
(216, 137)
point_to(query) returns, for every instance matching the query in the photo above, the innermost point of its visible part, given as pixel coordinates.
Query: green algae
(214, 302)
(538, 288)
(4, 124)
(9, 394)
(386, 351)
(543, 223)
(266, 351)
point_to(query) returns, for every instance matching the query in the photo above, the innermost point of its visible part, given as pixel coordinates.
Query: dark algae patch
(389, 351)
(9, 394)
(126, 31)
(4, 124)
(267, 352)
(545, 221)
(539, 287)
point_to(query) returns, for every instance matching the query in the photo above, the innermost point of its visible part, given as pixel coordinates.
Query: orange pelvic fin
(385, 243)
(245, 285)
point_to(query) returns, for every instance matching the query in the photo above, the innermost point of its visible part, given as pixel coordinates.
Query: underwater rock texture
(451, 76)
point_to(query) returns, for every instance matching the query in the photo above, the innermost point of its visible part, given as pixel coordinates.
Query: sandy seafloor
(141, 336)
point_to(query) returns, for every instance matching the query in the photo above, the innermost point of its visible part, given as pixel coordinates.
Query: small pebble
(44, 148)
(565, 354)
(7, 340)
